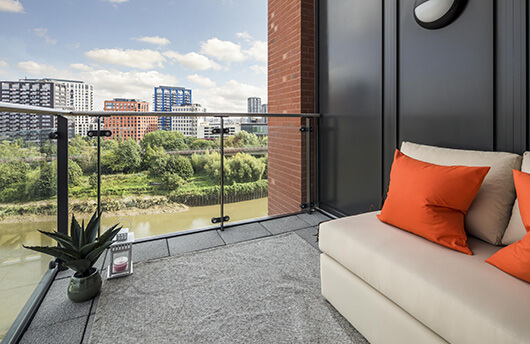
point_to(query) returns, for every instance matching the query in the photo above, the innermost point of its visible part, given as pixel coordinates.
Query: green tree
(244, 168)
(45, 185)
(202, 144)
(155, 160)
(75, 173)
(124, 157)
(180, 165)
(243, 139)
(172, 181)
(169, 140)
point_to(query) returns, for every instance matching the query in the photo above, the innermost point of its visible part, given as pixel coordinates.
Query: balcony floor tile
(150, 250)
(57, 308)
(244, 232)
(309, 235)
(63, 332)
(194, 242)
(314, 218)
(285, 224)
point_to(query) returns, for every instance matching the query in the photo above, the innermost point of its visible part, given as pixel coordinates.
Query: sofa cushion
(431, 200)
(515, 230)
(490, 212)
(460, 297)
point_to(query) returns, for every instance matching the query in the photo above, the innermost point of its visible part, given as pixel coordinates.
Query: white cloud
(153, 40)
(223, 50)
(141, 59)
(231, 97)
(259, 69)
(36, 69)
(109, 84)
(81, 67)
(13, 6)
(3, 64)
(245, 35)
(43, 33)
(258, 51)
(201, 80)
(193, 60)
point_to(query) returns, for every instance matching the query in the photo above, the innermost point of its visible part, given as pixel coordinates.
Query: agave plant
(82, 248)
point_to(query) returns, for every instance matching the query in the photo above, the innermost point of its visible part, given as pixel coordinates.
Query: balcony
(184, 214)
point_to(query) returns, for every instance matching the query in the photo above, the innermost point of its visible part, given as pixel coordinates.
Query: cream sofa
(396, 287)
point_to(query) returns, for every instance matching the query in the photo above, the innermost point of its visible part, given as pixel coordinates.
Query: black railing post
(222, 174)
(99, 172)
(62, 175)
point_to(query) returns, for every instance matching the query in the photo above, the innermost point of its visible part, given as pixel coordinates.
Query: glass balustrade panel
(28, 201)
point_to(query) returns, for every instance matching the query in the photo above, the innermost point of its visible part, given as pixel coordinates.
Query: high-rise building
(167, 97)
(264, 108)
(186, 124)
(254, 105)
(42, 93)
(125, 127)
(80, 97)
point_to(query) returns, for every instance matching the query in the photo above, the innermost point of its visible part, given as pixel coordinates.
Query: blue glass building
(167, 97)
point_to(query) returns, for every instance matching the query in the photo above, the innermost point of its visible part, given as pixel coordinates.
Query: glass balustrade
(28, 201)
(159, 183)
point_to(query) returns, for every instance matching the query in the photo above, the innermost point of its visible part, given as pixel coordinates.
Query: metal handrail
(37, 110)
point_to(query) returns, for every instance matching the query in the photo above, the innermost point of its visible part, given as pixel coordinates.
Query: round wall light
(435, 14)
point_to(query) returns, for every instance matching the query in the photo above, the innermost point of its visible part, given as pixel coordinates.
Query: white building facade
(187, 125)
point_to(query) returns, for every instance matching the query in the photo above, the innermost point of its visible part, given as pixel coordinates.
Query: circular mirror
(435, 14)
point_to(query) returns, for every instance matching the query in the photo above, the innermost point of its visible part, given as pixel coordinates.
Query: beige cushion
(490, 212)
(515, 230)
(459, 297)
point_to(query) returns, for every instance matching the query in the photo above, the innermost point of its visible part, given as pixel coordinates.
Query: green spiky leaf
(79, 265)
(76, 233)
(85, 250)
(59, 252)
(91, 231)
(64, 240)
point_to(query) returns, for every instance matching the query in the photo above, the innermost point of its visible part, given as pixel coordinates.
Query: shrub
(179, 165)
(172, 181)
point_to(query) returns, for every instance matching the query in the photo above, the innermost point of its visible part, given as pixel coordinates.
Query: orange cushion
(515, 258)
(431, 200)
(522, 187)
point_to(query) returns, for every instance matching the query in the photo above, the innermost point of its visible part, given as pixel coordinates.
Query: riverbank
(43, 211)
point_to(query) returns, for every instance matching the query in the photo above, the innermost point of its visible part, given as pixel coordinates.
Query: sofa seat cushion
(460, 297)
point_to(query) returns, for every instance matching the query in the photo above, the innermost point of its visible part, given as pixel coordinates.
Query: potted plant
(79, 252)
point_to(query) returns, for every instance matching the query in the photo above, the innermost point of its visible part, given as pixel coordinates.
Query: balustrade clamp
(218, 131)
(304, 129)
(218, 219)
(94, 133)
(306, 205)
(53, 136)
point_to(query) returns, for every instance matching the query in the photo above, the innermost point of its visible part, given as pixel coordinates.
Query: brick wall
(291, 89)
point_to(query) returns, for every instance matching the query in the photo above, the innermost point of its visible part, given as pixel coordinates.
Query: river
(22, 269)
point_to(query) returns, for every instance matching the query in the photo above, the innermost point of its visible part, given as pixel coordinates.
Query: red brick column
(291, 89)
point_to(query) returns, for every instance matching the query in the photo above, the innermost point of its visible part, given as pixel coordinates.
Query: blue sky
(218, 48)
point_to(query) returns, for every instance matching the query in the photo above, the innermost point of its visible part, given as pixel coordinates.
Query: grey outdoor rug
(261, 291)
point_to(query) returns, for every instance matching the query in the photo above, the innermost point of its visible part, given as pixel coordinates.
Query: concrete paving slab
(244, 232)
(314, 218)
(309, 235)
(194, 242)
(285, 224)
(69, 331)
(56, 307)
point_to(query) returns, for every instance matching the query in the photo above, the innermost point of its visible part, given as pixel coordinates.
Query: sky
(124, 48)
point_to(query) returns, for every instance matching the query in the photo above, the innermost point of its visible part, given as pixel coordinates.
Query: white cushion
(490, 212)
(459, 297)
(515, 230)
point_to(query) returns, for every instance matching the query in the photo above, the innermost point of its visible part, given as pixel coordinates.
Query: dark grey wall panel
(384, 79)
(446, 79)
(350, 88)
(511, 72)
